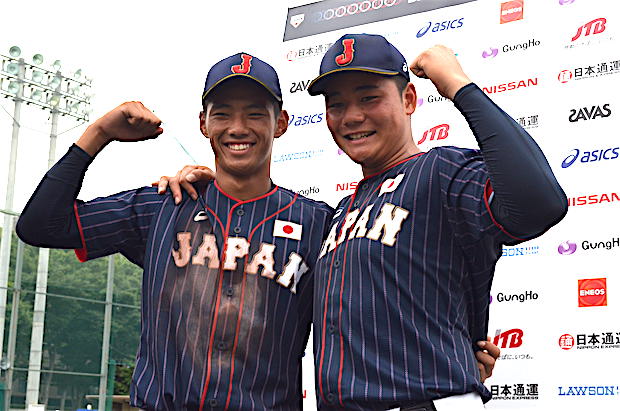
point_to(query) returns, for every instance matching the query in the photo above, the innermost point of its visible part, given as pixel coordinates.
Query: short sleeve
(119, 223)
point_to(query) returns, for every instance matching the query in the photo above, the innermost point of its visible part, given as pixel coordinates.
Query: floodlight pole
(38, 313)
(7, 228)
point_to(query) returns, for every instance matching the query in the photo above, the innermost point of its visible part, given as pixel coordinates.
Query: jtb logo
(440, 131)
(595, 26)
(244, 67)
(508, 339)
(347, 55)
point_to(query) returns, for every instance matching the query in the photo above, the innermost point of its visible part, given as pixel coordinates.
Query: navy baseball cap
(243, 65)
(360, 52)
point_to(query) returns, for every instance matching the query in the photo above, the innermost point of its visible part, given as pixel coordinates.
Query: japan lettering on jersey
(226, 296)
(398, 297)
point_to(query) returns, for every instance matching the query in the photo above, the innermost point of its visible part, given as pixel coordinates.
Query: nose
(238, 126)
(353, 115)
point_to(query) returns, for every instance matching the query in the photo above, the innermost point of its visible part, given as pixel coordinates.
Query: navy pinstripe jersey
(402, 284)
(224, 326)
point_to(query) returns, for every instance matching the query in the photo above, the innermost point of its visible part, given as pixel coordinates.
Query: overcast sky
(157, 52)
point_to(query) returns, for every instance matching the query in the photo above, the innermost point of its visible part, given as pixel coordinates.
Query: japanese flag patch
(391, 184)
(287, 229)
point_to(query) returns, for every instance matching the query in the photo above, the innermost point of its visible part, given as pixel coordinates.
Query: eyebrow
(360, 88)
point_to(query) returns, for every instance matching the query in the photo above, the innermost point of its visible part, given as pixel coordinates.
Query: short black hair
(401, 83)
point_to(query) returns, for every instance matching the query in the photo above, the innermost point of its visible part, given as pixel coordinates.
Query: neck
(408, 150)
(243, 187)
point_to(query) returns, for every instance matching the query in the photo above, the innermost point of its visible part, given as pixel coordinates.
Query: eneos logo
(567, 248)
(438, 132)
(508, 339)
(595, 26)
(511, 11)
(566, 341)
(590, 156)
(592, 292)
(440, 26)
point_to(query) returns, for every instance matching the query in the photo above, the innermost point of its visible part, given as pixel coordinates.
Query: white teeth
(357, 136)
(238, 147)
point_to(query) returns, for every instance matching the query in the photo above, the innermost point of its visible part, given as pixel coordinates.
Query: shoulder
(456, 154)
(142, 196)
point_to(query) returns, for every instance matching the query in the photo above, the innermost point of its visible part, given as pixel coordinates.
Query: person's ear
(282, 124)
(203, 126)
(410, 98)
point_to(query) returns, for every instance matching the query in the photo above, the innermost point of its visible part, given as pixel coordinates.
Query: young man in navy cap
(403, 279)
(228, 284)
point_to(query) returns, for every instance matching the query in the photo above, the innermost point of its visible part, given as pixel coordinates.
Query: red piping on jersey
(80, 253)
(245, 263)
(341, 364)
(219, 291)
(392, 166)
(488, 190)
(344, 264)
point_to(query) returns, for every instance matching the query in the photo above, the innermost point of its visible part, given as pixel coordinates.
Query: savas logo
(305, 119)
(567, 248)
(595, 26)
(440, 26)
(590, 156)
(508, 339)
(589, 113)
(438, 132)
(299, 86)
(592, 292)
(511, 11)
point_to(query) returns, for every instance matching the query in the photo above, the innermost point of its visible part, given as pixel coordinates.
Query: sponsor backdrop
(554, 66)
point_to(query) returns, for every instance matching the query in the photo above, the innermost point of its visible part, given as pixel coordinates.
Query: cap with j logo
(371, 53)
(243, 65)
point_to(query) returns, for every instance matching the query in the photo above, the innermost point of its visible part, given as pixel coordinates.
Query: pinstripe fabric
(215, 331)
(402, 284)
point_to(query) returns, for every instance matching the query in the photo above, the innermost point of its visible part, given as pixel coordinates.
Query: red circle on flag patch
(287, 229)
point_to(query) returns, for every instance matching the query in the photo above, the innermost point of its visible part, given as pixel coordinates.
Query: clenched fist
(439, 65)
(130, 121)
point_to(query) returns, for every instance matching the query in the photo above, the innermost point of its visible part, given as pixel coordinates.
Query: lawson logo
(590, 156)
(440, 26)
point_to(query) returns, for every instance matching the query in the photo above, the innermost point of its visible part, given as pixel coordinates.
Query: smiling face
(241, 119)
(369, 118)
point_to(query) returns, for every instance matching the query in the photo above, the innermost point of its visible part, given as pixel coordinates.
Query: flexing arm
(527, 197)
(48, 220)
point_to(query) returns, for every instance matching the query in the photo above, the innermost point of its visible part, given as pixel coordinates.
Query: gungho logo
(567, 248)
